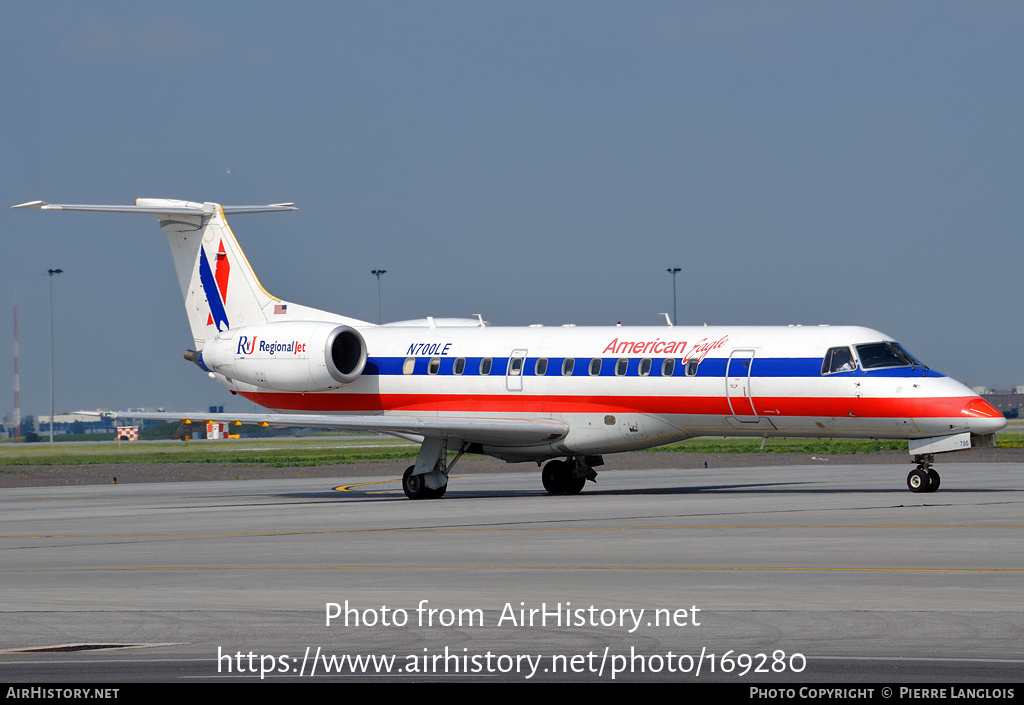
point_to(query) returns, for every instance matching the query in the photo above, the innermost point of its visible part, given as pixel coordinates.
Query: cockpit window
(878, 355)
(914, 362)
(838, 360)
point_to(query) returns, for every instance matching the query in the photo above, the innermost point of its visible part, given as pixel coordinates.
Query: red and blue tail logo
(215, 286)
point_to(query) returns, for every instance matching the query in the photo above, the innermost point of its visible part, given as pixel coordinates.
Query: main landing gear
(431, 482)
(570, 475)
(415, 486)
(923, 478)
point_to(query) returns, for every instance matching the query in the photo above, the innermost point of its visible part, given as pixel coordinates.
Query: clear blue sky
(536, 162)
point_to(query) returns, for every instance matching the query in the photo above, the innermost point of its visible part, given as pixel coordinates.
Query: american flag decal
(280, 308)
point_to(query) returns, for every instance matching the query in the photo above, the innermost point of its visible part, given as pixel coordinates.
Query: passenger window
(409, 365)
(567, 366)
(645, 367)
(595, 367)
(460, 365)
(620, 367)
(668, 367)
(515, 368)
(485, 366)
(541, 368)
(691, 367)
(434, 366)
(838, 360)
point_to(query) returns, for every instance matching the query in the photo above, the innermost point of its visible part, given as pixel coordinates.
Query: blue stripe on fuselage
(709, 367)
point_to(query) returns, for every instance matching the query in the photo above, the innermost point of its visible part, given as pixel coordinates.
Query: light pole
(674, 271)
(51, 272)
(378, 273)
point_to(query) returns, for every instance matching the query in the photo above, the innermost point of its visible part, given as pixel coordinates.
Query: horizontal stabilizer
(159, 206)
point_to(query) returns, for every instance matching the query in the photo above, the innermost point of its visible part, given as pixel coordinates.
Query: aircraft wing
(486, 431)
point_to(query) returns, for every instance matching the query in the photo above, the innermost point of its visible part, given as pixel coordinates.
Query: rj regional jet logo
(247, 346)
(215, 286)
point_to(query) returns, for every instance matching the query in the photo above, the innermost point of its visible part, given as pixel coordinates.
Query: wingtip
(101, 413)
(32, 204)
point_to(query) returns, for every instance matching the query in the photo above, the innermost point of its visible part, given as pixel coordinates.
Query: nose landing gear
(923, 478)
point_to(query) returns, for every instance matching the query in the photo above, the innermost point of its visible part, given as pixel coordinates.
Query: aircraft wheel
(553, 476)
(918, 480)
(438, 493)
(414, 485)
(934, 480)
(574, 485)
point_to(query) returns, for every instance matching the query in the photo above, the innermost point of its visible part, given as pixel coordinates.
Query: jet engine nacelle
(290, 357)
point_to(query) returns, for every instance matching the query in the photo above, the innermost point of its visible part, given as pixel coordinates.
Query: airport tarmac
(817, 574)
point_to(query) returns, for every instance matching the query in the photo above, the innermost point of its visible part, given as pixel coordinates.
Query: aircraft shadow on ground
(775, 488)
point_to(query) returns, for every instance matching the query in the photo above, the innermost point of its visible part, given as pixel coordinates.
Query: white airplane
(567, 395)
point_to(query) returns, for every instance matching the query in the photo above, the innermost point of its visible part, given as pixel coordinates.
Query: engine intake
(347, 354)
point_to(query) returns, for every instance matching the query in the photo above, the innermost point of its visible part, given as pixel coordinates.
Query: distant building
(1009, 402)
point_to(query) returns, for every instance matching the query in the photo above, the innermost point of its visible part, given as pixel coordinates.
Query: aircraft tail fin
(217, 282)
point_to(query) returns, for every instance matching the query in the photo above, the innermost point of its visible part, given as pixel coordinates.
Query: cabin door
(514, 373)
(737, 385)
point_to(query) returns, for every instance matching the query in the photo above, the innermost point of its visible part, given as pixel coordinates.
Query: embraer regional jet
(567, 395)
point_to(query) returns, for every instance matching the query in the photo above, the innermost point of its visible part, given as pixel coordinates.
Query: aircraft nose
(982, 417)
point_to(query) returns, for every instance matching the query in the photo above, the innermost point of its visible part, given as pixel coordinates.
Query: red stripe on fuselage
(772, 407)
